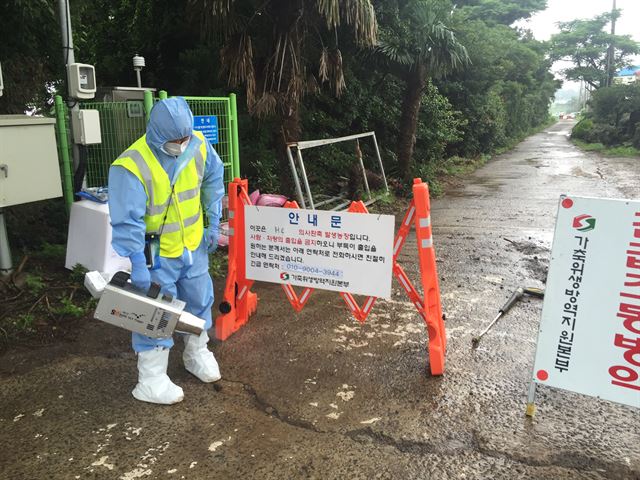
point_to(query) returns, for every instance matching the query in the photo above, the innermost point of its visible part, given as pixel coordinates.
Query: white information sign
(589, 339)
(340, 251)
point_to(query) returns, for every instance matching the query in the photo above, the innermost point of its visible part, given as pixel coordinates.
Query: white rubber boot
(154, 385)
(198, 360)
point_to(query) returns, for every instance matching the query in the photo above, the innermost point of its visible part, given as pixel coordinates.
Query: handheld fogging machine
(151, 313)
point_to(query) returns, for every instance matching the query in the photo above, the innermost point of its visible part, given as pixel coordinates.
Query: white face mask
(175, 149)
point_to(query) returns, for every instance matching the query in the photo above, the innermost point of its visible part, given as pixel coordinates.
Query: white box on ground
(89, 240)
(589, 338)
(339, 251)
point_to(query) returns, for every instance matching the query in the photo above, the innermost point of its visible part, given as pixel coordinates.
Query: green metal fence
(64, 150)
(122, 123)
(227, 146)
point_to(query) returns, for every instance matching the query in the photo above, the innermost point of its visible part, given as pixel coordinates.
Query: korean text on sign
(340, 251)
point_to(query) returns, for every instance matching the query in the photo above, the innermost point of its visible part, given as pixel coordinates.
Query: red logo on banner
(584, 223)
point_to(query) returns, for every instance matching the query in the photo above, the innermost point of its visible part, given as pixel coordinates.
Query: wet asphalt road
(316, 395)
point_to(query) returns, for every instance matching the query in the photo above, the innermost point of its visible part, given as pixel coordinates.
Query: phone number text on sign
(339, 251)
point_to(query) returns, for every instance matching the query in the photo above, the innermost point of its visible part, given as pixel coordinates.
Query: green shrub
(69, 308)
(583, 130)
(34, 283)
(636, 138)
(609, 135)
(77, 274)
(24, 321)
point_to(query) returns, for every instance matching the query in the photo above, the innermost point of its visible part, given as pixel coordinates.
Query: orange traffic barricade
(239, 302)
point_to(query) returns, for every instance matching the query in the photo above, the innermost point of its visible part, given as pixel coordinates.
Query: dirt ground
(317, 395)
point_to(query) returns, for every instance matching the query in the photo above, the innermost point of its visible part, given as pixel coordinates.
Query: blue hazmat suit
(186, 277)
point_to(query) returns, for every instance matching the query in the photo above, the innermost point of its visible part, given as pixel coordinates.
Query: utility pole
(69, 57)
(611, 51)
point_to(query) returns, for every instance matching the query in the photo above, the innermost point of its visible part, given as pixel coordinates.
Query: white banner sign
(589, 339)
(340, 251)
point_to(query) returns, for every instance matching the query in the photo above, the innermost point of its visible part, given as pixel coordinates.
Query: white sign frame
(354, 251)
(586, 329)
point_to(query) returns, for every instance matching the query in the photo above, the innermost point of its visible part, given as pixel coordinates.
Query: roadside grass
(437, 174)
(218, 263)
(620, 151)
(42, 301)
(387, 203)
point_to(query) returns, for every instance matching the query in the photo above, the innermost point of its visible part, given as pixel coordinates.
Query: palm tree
(419, 47)
(281, 49)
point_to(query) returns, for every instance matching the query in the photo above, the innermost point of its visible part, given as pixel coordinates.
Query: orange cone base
(229, 323)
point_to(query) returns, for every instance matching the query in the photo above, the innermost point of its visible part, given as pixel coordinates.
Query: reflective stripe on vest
(175, 226)
(179, 208)
(145, 172)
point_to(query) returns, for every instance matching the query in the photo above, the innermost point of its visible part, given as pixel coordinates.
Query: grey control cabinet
(29, 169)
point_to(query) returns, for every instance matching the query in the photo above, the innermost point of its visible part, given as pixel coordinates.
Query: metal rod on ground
(384, 177)
(305, 178)
(342, 205)
(328, 200)
(515, 296)
(296, 180)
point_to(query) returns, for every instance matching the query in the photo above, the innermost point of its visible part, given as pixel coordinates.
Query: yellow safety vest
(183, 226)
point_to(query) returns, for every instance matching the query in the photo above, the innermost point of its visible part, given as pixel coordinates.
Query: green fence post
(162, 94)
(148, 103)
(63, 145)
(234, 137)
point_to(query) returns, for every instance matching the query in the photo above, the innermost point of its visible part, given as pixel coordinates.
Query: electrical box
(29, 168)
(86, 127)
(82, 80)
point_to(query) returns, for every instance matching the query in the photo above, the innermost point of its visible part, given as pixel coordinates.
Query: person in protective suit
(158, 189)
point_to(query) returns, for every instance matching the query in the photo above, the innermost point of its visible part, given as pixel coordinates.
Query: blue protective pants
(186, 278)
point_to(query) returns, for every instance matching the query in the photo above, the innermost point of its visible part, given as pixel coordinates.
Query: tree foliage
(281, 51)
(30, 53)
(585, 44)
(500, 11)
(614, 118)
(505, 91)
(417, 43)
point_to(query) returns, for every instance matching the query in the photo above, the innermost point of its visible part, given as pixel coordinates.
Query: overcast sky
(544, 24)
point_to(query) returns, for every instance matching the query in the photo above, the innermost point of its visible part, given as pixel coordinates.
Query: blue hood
(170, 119)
